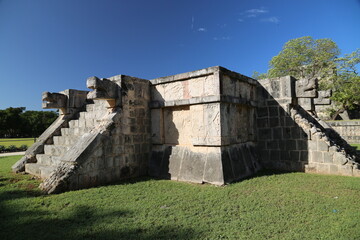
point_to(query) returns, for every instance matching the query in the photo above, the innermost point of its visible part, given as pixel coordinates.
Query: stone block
(346, 170)
(339, 158)
(304, 156)
(287, 87)
(274, 144)
(334, 169)
(192, 167)
(273, 111)
(274, 122)
(213, 172)
(291, 145)
(306, 103)
(177, 125)
(301, 145)
(264, 155)
(287, 133)
(295, 156)
(226, 166)
(262, 112)
(274, 155)
(174, 163)
(322, 146)
(277, 133)
(265, 134)
(316, 157)
(328, 157)
(174, 91)
(197, 123)
(306, 88)
(263, 123)
(323, 168)
(312, 145)
(285, 155)
(237, 162)
(211, 85)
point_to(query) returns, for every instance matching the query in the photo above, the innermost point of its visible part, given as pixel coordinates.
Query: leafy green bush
(2, 148)
(23, 147)
(11, 148)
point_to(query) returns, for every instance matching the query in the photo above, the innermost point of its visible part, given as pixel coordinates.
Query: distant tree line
(16, 122)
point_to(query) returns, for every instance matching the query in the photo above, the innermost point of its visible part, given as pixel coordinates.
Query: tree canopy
(16, 122)
(306, 57)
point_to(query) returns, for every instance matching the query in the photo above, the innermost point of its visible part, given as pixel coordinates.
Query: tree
(36, 122)
(14, 122)
(346, 83)
(256, 75)
(306, 57)
(10, 122)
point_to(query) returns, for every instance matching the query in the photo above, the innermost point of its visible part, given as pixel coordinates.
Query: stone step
(46, 171)
(48, 160)
(33, 169)
(39, 170)
(55, 150)
(90, 107)
(73, 123)
(65, 140)
(76, 131)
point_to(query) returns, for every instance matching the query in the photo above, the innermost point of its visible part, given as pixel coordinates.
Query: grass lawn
(16, 141)
(356, 145)
(282, 206)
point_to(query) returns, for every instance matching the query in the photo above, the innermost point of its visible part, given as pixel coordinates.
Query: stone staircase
(48, 161)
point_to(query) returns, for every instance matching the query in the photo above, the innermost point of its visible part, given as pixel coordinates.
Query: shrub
(11, 148)
(23, 147)
(2, 148)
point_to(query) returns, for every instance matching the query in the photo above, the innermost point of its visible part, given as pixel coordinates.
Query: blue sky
(51, 45)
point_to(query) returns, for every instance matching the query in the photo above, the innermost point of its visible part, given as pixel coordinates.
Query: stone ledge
(201, 73)
(203, 100)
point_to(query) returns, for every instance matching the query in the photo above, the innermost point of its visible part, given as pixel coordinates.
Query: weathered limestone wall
(113, 141)
(201, 123)
(349, 130)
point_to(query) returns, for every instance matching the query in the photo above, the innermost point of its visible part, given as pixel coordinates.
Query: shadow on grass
(28, 214)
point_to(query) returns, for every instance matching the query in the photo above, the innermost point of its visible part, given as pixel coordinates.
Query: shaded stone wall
(281, 142)
(291, 138)
(349, 130)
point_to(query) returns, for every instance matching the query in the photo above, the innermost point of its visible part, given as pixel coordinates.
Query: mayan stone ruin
(208, 126)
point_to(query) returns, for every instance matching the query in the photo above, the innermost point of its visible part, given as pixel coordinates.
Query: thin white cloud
(251, 16)
(253, 13)
(257, 11)
(271, 20)
(202, 29)
(240, 20)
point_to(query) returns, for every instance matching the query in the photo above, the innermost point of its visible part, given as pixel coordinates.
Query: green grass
(16, 141)
(282, 206)
(356, 145)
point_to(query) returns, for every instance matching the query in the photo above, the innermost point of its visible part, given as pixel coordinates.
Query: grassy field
(16, 141)
(281, 206)
(356, 145)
